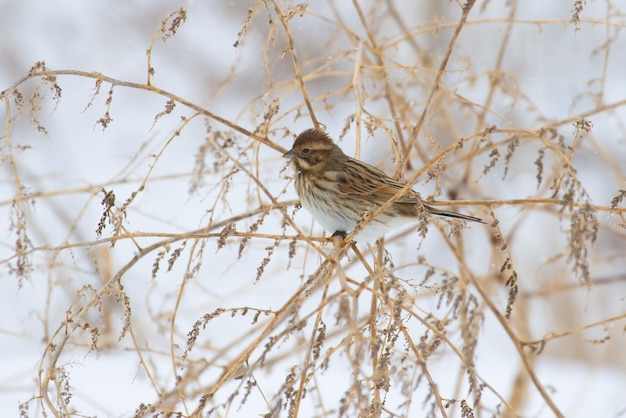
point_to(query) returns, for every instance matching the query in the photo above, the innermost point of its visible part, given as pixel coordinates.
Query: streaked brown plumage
(338, 190)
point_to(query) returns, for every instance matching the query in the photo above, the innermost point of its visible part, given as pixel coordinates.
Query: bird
(339, 190)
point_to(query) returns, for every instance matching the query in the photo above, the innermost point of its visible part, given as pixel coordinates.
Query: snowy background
(552, 73)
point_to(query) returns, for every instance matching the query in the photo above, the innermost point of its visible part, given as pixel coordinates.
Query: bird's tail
(440, 212)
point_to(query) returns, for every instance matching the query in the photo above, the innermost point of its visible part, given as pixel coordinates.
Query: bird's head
(312, 150)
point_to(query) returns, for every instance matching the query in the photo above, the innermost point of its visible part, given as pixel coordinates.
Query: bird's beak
(289, 154)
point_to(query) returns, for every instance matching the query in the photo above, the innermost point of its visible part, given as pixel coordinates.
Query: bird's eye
(306, 150)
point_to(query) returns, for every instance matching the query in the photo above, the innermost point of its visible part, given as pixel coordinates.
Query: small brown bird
(338, 190)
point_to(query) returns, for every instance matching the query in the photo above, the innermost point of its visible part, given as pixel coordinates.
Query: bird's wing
(357, 178)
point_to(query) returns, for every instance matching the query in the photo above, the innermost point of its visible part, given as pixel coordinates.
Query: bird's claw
(339, 234)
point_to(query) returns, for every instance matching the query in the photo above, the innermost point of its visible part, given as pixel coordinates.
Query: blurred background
(146, 252)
